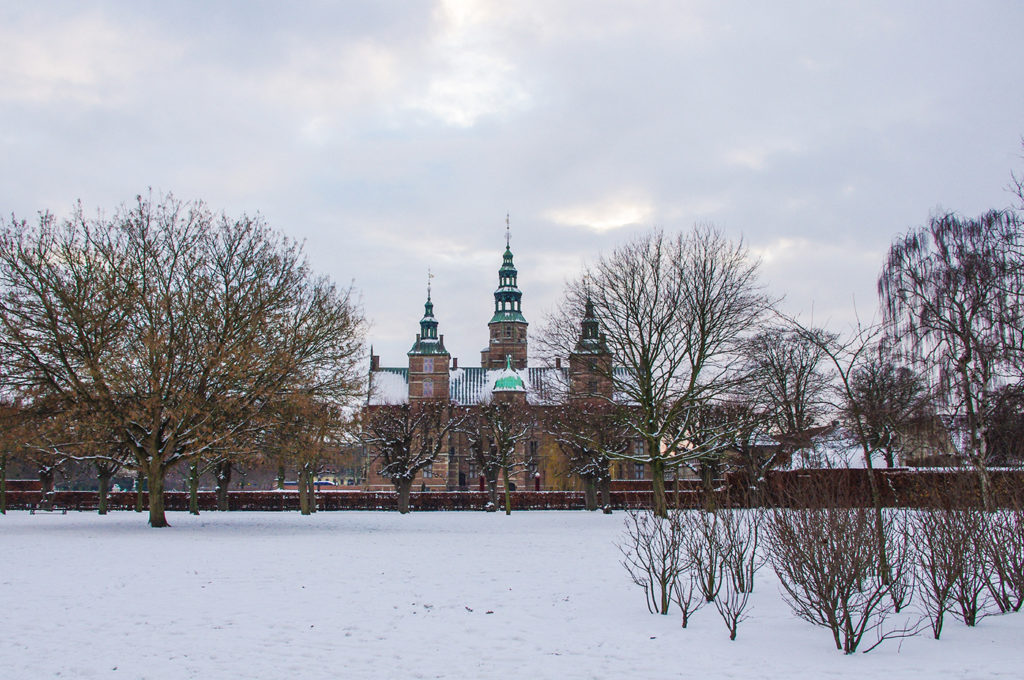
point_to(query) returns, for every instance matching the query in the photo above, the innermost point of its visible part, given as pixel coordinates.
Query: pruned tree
(406, 438)
(480, 441)
(509, 423)
(590, 433)
(951, 293)
(298, 431)
(163, 313)
(676, 310)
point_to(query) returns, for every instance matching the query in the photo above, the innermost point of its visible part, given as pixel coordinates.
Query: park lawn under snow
(380, 595)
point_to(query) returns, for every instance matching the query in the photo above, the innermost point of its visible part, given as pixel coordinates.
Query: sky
(393, 137)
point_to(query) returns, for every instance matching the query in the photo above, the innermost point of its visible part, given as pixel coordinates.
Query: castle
(503, 373)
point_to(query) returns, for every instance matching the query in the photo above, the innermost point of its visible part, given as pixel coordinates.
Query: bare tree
(886, 399)
(675, 309)
(509, 422)
(950, 293)
(788, 379)
(406, 438)
(164, 312)
(590, 432)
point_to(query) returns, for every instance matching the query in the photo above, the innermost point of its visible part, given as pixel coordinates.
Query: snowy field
(379, 595)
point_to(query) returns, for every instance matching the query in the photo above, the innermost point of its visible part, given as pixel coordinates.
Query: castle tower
(507, 327)
(590, 363)
(428, 359)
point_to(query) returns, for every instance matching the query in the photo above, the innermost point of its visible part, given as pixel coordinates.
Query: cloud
(87, 59)
(603, 215)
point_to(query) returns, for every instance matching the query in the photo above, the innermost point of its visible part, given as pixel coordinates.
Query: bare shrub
(737, 533)
(687, 594)
(969, 530)
(898, 533)
(703, 552)
(722, 559)
(939, 562)
(1004, 546)
(826, 554)
(652, 556)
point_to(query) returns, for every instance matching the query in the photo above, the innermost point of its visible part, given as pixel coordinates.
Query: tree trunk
(3, 484)
(659, 505)
(103, 476)
(139, 476)
(876, 501)
(280, 477)
(193, 488)
(46, 487)
(223, 484)
(984, 481)
(589, 494)
(157, 518)
(403, 487)
(492, 490)
(707, 483)
(606, 495)
(311, 488)
(303, 492)
(508, 495)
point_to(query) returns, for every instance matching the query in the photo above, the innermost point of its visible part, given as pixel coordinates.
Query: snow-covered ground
(379, 595)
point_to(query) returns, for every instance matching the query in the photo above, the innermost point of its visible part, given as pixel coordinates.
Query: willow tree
(164, 313)
(951, 294)
(676, 310)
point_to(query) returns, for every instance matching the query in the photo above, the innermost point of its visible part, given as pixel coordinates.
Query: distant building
(431, 373)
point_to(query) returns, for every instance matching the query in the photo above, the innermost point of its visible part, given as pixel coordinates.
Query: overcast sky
(394, 136)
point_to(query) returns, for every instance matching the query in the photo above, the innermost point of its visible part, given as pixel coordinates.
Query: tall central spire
(507, 327)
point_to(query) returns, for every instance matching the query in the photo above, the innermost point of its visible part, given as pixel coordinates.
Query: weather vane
(430, 275)
(508, 232)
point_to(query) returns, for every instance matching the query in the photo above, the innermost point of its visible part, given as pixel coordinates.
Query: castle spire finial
(508, 232)
(430, 275)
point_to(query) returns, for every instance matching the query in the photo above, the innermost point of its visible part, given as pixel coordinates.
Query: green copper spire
(427, 342)
(508, 299)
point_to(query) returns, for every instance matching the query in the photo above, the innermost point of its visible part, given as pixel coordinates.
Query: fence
(898, 487)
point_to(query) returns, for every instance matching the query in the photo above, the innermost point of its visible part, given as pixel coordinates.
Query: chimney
(558, 362)
(455, 362)
(374, 362)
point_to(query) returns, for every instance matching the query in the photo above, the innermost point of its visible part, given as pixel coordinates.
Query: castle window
(428, 365)
(638, 470)
(428, 471)
(508, 331)
(428, 388)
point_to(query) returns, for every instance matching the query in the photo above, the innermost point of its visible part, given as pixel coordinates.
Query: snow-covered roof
(474, 385)
(389, 386)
